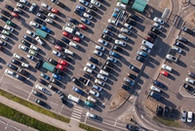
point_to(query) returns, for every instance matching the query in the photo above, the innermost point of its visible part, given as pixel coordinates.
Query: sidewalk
(72, 126)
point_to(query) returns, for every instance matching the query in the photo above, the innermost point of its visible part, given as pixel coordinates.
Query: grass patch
(33, 106)
(14, 115)
(167, 122)
(88, 128)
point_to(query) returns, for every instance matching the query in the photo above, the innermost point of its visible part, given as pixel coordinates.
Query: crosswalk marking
(77, 112)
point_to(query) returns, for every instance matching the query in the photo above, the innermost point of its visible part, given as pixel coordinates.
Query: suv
(171, 58)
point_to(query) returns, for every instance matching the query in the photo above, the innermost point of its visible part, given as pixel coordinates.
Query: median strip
(88, 128)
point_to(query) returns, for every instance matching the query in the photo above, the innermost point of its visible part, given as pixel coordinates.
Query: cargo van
(68, 29)
(90, 98)
(146, 43)
(73, 98)
(104, 73)
(167, 68)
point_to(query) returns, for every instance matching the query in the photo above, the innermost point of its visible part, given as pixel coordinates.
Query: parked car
(79, 91)
(182, 39)
(164, 73)
(132, 67)
(119, 42)
(191, 74)
(190, 116)
(105, 43)
(86, 21)
(171, 58)
(106, 37)
(112, 59)
(98, 53)
(183, 116)
(159, 84)
(188, 30)
(189, 80)
(94, 60)
(104, 78)
(94, 93)
(160, 21)
(114, 54)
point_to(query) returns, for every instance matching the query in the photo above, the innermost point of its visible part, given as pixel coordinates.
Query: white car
(157, 26)
(94, 93)
(90, 98)
(147, 50)
(112, 59)
(125, 30)
(30, 57)
(190, 116)
(79, 34)
(114, 22)
(24, 2)
(119, 4)
(128, 26)
(31, 33)
(32, 23)
(9, 72)
(67, 51)
(17, 56)
(119, 42)
(171, 58)
(104, 73)
(90, 115)
(51, 15)
(87, 69)
(154, 88)
(103, 42)
(98, 53)
(104, 78)
(190, 81)
(179, 50)
(121, 36)
(156, 19)
(9, 28)
(97, 47)
(166, 67)
(58, 54)
(22, 47)
(99, 82)
(87, 16)
(49, 21)
(46, 6)
(3, 37)
(95, 3)
(92, 66)
(183, 116)
(44, 90)
(39, 41)
(84, 2)
(73, 44)
(34, 48)
(25, 65)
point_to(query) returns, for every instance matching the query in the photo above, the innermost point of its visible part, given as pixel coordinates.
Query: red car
(84, 27)
(60, 67)
(14, 14)
(54, 10)
(150, 39)
(63, 62)
(164, 73)
(57, 47)
(67, 34)
(77, 39)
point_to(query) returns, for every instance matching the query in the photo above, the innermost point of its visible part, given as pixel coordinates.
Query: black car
(19, 77)
(106, 37)
(63, 98)
(191, 74)
(16, 62)
(67, 41)
(150, 33)
(132, 76)
(106, 68)
(52, 61)
(74, 21)
(125, 87)
(67, 58)
(166, 112)
(83, 80)
(4, 18)
(140, 58)
(76, 81)
(58, 72)
(78, 12)
(13, 67)
(42, 11)
(182, 39)
(189, 88)
(159, 111)
(57, 82)
(159, 84)
(155, 30)
(131, 22)
(87, 76)
(117, 48)
(23, 72)
(28, 38)
(109, 63)
(179, 44)
(5, 13)
(39, 64)
(40, 102)
(25, 43)
(186, 29)
(53, 88)
(38, 20)
(92, 7)
(91, 12)
(9, 7)
(41, 16)
(132, 67)
(36, 93)
(94, 60)
(44, 82)
(110, 27)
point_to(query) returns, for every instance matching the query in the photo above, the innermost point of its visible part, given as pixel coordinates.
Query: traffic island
(119, 99)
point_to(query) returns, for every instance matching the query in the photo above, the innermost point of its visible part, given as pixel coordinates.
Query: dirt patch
(191, 19)
(120, 97)
(165, 4)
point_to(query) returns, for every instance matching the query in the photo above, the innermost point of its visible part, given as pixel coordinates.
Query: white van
(153, 88)
(146, 43)
(167, 68)
(68, 52)
(104, 73)
(119, 4)
(68, 29)
(73, 98)
(90, 98)
(40, 41)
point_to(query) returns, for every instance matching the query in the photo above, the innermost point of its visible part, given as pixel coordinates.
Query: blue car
(74, 21)
(106, 31)
(97, 88)
(159, 84)
(46, 77)
(112, 53)
(79, 91)
(58, 77)
(46, 29)
(86, 21)
(110, 27)
(78, 12)
(81, 8)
